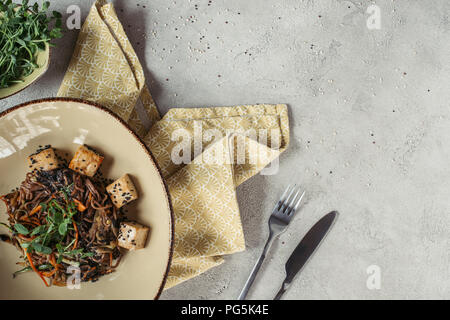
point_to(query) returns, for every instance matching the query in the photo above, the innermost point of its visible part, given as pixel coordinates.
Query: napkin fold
(203, 153)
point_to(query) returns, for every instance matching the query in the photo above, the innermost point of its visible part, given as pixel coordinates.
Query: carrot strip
(110, 259)
(81, 207)
(34, 268)
(48, 274)
(25, 218)
(36, 209)
(21, 236)
(76, 235)
(32, 220)
(52, 261)
(35, 220)
(87, 272)
(59, 283)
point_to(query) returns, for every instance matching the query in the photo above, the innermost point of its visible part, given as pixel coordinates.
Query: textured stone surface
(370, 122)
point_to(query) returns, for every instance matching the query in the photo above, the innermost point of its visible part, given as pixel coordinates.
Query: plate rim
(143, 145)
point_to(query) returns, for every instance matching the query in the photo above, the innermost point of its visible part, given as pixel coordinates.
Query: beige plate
(65, 124)
(43, 60)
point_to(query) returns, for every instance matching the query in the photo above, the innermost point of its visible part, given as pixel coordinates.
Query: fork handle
(256, 268)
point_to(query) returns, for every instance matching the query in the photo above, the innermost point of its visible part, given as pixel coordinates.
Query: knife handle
(282, 290)
(256, 268)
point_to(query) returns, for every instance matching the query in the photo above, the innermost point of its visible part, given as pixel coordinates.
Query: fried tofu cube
(122, 191)
(86, 161)
(132, 235)
(43, 160)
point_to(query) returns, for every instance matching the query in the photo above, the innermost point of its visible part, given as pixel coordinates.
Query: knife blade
(305, 249)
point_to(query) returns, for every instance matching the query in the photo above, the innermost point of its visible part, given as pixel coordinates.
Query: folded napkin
(217, 151)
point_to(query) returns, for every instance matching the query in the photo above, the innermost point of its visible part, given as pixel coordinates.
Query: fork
(279, 220)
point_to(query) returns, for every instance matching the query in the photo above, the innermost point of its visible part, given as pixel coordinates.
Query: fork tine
(285, 193)
(297, 204)
(289, 198)
(282, 199)
(293, 200)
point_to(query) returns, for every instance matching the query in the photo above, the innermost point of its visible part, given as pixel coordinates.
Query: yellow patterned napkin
(204, 153)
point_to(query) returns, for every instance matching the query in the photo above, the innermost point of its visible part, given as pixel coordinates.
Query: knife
(305, 249)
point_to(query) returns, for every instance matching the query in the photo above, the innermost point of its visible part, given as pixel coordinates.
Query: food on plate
(61, 218)
(122, 191)
(132, 235)
(86, 161)
(24, 31)
(44, 160)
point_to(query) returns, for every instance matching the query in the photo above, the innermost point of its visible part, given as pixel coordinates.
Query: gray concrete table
(368, 92)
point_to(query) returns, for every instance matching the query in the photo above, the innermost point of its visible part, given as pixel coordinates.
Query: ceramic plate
(65, 124)
(43, 60)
